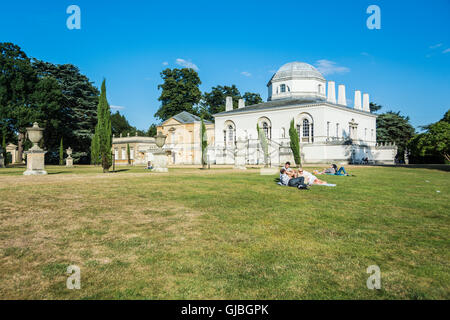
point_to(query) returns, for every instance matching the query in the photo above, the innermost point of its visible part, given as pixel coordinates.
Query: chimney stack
(366, 102)
(331, 97)
(341, 95)
(229, 104)
(358, 100)
(241, 103)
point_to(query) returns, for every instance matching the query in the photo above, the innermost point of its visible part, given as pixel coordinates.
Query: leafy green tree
(435, 141)
(180, 92)
(103, 130)
(252, 98)
(204, 143)
(120, 125)
(295, 143)
(50, 114)
(374, 107)
(264, 145)
(152, 130)
(17, 85)
(61, 153)
(214, 101)
(393, 127)
(78, 104)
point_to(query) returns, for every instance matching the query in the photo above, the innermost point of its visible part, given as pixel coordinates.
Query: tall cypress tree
(128, 154)
(61, 152)
(204, 143)
(5, 155)
(94, 149)
(295, 144)
(103, 130)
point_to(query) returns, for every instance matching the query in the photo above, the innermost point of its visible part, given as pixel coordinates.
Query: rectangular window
(328, 129)
(124, 154)
(337, 130)
(132, 153)
(116, 154)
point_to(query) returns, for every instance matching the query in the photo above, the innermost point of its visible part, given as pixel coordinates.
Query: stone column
(239, 158)
(35, 156)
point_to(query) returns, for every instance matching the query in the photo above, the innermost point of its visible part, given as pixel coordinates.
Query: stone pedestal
(69, 159)
(239, 157)
(35, 156)
(35, 163)
(160, 161)
(69, 162)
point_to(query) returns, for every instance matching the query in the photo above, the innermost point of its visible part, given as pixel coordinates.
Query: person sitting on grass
(291, 173)
(310, 179)
(287, 180)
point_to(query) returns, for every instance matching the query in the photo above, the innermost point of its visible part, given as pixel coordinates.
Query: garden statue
(35, 156)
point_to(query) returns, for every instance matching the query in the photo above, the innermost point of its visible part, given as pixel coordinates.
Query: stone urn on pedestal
(69, 159)
(159, 156)
(35, 156)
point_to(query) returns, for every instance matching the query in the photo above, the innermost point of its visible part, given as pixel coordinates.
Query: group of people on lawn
(301, 179)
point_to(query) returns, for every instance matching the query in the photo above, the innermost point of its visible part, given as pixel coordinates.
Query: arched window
(282, 88)
(230, 134)
(305, 128)
(320, 88)
(266, 129)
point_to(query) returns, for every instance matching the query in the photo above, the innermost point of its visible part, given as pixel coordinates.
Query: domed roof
(297, 70)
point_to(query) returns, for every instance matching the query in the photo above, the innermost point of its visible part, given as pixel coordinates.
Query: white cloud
(436, 46)
(165, 63)
(446, 50)
(116, 107)
(186, 64)
(327, 67)
(245, 73)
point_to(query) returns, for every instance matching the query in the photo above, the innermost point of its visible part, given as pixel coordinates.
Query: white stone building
(329, 130)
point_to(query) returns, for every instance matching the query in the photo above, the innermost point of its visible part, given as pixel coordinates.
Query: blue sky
(404, 66)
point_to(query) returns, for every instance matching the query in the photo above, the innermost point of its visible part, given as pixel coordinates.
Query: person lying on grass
(333, 169)
(291, 181)
(310, 179)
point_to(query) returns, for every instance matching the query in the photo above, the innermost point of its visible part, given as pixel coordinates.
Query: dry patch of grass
(223, 234)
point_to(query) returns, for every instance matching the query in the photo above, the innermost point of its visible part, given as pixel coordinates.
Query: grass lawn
(223, 234)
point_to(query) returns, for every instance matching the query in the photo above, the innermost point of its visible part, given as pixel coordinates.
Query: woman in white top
(310, 179)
